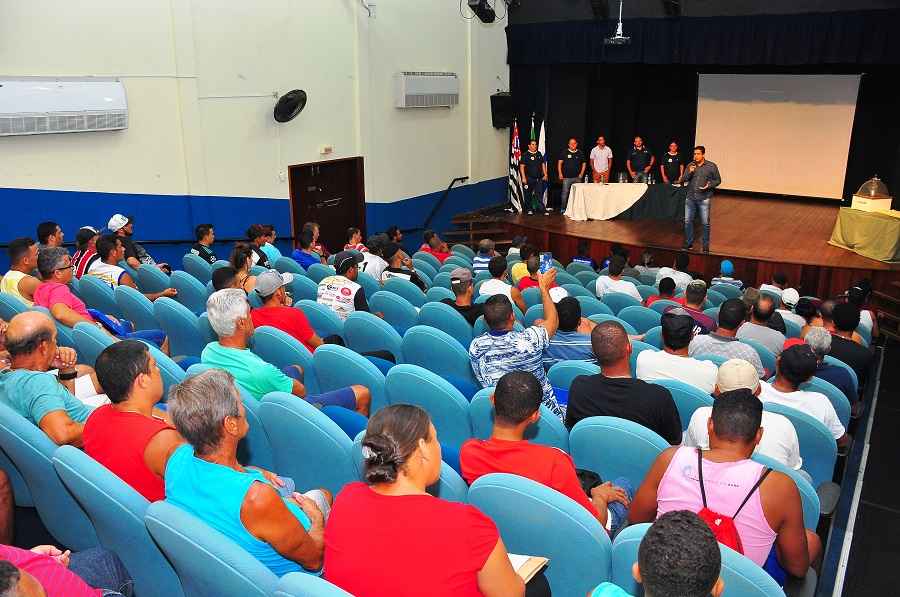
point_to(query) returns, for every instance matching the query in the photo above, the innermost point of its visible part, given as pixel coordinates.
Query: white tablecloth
(590, 201)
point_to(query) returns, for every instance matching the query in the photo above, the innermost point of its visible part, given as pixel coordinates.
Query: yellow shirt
(518, 271)
(10, 285)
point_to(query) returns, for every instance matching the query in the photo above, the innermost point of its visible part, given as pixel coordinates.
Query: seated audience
(517, 404)
(694, 298)
(225, 277)
(750, 296)
(340, 292)
(111, 252)
(135, 254)
(678, 555)
(779, 439)
(516, 245)
(433, 245)
(530, 281)
(131, 437)
(777, 286)
(789, 299)
(673, 362)
(859, 296)
(484, 255)
(572, 340)
(722, 341)
(205, 235)
(47, 571)
(810, 313)
(462, 286)
(403, 458)
(400, 265)
(678, 273)
(241, 260)
(844, 347)
(614, 282)
(628, 270)
(23, 260)
(796, 366)
(229, 317)
(647, 267)
(269, 247)
(305, 255)
(770, 523)
(85, 250)
(519, 269)
(505, 349)
(372, 263)
(394, 234)
(819, 341)
(826, 313)
(277, 312)
(666, 289)
(757, 328)
(49, 234)
(726, 271)
(497, 284)
(354, 240)
(284, 531)
(583, 254)
(318, 247)
(256, 238)
(615, 393)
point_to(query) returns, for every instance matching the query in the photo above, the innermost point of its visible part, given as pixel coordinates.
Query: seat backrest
(548, 431)
(765, 355)
(97, 294)
(837, 398)
(637, 347)
(438, 293)
(613, 447)
(600, 318)
(817, 446)
(437, 351)
(306, 445)
(646, 290)
(660, 305)
(641, 318)
(463, 250)
(428, 258)
(442, 279)
(117, 512)
(588, 279)
(445, 318)
(197, 267)
(90, 341)
(338, 367)
(365, 332)
(288, 265)
(30, 450)
(533, 314)
(576, 266)
(207, 334)
(299, 584)
(808, 496)
(727, 290)
(459, 261)
(281, 349)
(406, 289)
(653, 336)
(448, 408)
(536, 520)
(397, 311)
(191, 292)
(180, 325)
(619, 300)
(424, 267)
(715, 298)
(830, 360)
(564, 277)
(687, 398)
(207, 562)
(137, 308)
(531, 296)
(792, 327)
(10, 306)
(317, 272)
(591, 305)
(152, 279)
(712, 312)
(323, 320)
(577, 290)
(172, 373)
(562, 374)
(302, 288)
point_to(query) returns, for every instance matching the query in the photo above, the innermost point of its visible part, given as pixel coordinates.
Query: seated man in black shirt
(614, 393)
(843, 347)
(258, 236)
(400, 266)
(203, 247)
(462, 287)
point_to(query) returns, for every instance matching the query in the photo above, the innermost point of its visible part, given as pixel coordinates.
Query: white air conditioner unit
(38, 105)
(426, 90)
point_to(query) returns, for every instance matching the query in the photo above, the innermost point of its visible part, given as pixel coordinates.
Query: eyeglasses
(62, 269)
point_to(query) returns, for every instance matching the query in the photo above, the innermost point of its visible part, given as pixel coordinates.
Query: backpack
(723, 527)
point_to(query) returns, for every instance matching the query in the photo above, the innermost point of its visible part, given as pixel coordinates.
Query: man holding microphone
(701, 177)
(533, 172)
(601, 160)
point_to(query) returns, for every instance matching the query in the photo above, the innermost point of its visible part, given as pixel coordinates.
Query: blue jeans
(691, 207)
(640, 176)
(344, 397)
(564, 195)
(102, 569)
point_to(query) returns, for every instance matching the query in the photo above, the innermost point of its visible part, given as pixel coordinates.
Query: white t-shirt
(791, 316)
(681, 279)
(779, 439)
(770, 288)
(865, 319)
(111, 274)
(495, 286)
(373, 265)
(600, 158)
(606, 284)
(653, 365)
(814, 404)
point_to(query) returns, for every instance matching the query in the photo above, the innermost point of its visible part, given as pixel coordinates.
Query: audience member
(276, 310)
(354, 240)
(779, 439)
(340, 292)
(505, 349)
(241, 260)
(750, 296)
(402, 458)
(666, 289)
(520, 269)
(135, 254)
(394, 234)
(206, 236)
(722, 342)
(615, 393)
(373, 263)
(779, 282)
(131, 437)
(281, 528)
(497, 284)
(400, 266)
(810, 313)
(530, 281)
(770, 523)
(789, 299)
(19, 281)
(678, 273)
(49, 234)
(517, 406)
(726, 271)
(256, 238)
(844, 347)
(229, 317)
(225, 277)
(47, 571)
(583, 255)
(434, 246)
(462, 287)
(484, 255)
(628, 270)
(305, 255)
(757, 329)
(819, 341)
(572, 340)
(647, 267)
(694, 298)
(269, 247)
(316, 246)
(796, 366)
(516, 245)
(614, 282)
(673, 362)
(85, 250)
(111, 251)
(826, 313)
(859, 296)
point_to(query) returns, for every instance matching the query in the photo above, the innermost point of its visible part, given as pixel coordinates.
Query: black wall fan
(289, 105)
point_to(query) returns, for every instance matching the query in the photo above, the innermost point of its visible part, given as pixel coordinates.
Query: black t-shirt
(533, 164)
(471, 313)
(776, 322)
(204, 253)
(850, 353)
(572, 162)
(130, 251)
(672, 166)
(640, 158)
(644, 403)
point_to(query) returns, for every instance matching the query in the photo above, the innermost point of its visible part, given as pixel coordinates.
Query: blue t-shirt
(568, 346)
(33, 394)
(305, 259)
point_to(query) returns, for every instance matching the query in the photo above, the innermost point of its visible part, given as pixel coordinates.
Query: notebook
(527, 566)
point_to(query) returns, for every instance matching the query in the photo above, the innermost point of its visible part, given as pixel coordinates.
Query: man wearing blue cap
(726, 270)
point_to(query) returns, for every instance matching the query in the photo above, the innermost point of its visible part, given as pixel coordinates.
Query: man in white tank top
(498, 285)
(340, 292)
(18, 281)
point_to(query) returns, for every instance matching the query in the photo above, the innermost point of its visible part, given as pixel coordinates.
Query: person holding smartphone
(701, 177)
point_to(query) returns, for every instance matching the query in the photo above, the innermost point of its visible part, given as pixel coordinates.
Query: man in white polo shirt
(614, 282)
(601, 160)
(673, 362)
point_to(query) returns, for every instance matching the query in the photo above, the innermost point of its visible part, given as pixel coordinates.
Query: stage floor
(776, 230)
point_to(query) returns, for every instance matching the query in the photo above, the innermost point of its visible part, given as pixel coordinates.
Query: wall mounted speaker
(501, 110)
(289, 105)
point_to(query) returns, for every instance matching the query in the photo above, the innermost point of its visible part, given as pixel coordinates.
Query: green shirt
(252, 373)
(33, 394)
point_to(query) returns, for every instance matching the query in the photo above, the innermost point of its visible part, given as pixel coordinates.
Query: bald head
(27, 331)
(610, 343)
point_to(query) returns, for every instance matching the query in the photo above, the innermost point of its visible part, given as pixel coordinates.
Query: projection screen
(779, 134)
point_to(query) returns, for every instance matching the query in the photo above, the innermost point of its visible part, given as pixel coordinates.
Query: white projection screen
(779, 134)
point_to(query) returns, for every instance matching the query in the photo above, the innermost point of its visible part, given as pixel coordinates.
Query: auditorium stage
(760, 235)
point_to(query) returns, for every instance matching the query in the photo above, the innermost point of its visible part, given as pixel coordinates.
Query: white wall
(201, 74)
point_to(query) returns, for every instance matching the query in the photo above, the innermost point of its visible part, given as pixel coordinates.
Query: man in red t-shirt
(277, 311)
(517, 401)
(47, 570)
(434, 245)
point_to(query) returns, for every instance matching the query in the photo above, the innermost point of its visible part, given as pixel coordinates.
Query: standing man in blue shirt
(570, 169)
(533, 172)
(701, 177)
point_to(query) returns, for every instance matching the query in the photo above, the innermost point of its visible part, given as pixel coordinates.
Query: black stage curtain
(861, 37)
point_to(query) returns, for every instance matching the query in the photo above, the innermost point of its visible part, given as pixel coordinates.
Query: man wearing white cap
(277, 311)
(779, 439)
(789, 299)
(135, 254)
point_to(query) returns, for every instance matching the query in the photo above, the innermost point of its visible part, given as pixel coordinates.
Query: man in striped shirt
(486, 252)
(572, 341)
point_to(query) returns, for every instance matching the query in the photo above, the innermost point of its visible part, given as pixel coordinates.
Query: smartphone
(546, 262)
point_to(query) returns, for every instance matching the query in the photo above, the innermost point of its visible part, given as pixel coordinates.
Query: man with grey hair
(485, 253)
(283, 529)
(229, 316)
(819, 339)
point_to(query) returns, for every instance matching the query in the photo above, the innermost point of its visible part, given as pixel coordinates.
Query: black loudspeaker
(483, 10)
(289, 105)
(501, 110)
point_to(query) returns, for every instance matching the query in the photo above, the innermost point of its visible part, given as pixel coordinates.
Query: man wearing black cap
(258, 235)
(400, 266)
(340, 292)
(673, 362)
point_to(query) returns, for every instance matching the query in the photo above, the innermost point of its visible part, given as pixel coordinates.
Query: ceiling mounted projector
(289, 105)
(619, 39)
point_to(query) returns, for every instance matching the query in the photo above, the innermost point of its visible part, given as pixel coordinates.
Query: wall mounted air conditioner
(426, 90)
(39, 105)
